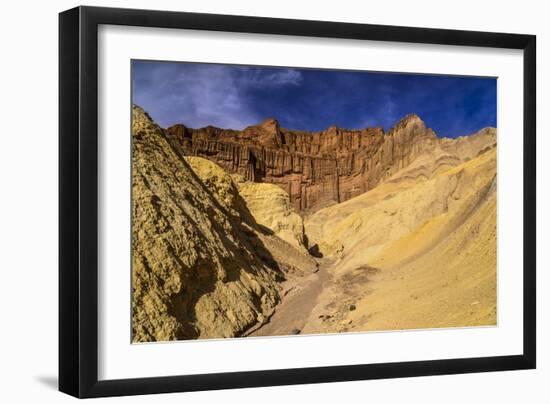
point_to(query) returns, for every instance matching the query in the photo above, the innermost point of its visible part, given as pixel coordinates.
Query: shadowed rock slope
(202, 266)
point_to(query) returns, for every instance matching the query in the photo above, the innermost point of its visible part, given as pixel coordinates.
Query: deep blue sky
(230, 96)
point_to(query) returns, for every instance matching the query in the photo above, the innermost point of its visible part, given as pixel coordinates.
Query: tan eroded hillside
(413, 252)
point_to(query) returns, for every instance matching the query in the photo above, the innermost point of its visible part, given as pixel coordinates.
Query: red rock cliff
(317, 169)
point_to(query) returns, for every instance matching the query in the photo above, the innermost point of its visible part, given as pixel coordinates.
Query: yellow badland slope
(201, 266)
(418, 251)
(270, 206)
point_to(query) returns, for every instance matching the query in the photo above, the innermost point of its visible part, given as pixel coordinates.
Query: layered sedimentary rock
(317, 169)
(202, 266)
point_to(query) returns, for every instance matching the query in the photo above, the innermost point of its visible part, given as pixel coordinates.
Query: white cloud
(201, 94)
(259, 77)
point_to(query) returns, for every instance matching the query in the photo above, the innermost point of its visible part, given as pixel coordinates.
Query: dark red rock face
(317, 169)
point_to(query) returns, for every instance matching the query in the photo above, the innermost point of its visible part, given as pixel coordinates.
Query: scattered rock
(289, 290)
(352, 307)
(339, 251)
(295, 331)
(315, 251)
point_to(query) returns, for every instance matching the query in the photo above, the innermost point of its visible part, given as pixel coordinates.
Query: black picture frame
(78, 201)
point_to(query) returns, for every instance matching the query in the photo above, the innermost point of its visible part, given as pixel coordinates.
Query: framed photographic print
(251, 201)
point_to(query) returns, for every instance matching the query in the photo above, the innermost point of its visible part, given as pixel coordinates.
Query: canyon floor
(218, 255)
(300, 298)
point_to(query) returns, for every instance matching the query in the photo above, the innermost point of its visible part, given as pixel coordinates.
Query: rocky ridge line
(319, 169)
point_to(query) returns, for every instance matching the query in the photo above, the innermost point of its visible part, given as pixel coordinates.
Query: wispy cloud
(257, 77)
(201, 95)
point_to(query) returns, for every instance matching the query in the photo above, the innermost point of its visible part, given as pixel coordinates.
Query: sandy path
(292, 314)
